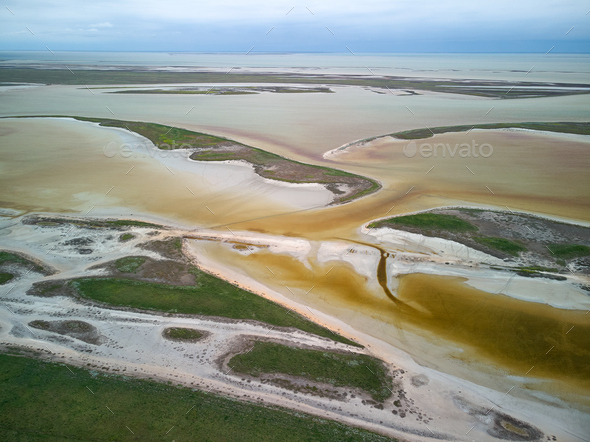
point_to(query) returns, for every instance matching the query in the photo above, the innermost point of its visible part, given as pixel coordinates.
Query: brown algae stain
(512, 333)
(492, 328)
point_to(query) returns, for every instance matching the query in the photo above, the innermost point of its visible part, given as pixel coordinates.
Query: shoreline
(339, 197)
(330, 154)
(432, 402)
(488, 208)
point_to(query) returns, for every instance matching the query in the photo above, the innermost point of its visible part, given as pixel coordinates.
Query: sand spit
(359, 144)
(132, 343)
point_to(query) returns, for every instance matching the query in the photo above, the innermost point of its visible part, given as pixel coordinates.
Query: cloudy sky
(313, 26)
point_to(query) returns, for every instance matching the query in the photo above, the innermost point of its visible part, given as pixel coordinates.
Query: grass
(183, 334)
(132, 223)
(7, 257)
(563, 127)
(126, 237)
(11, 257)
(568, 251)
(129, 264)
(501, 244)
(48, 402)
(93, 223)
(5, 277)
(210, 296)
(339, 370)
(165, 137)
(429, 221)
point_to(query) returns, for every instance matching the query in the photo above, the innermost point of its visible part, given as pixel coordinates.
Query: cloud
(105, 24)
(232, 25)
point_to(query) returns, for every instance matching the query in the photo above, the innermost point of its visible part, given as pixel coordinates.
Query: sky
(372, 26)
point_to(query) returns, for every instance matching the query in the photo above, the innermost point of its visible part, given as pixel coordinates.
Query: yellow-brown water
(508, 332)
(491, 329)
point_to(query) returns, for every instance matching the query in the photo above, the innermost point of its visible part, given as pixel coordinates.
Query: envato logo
(464, 150)
(144, 150)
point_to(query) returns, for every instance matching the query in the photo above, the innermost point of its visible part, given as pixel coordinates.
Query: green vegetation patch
(501, 244)
(183, 334)
(48, 402)
(11, 257)
(568, 251)
(7, 257)
(210, 296)
(126, 237)
(92, 223)
(164, 137)
(337, 369)
(132, 223)
(129, 264)
(429, 221)
(5, 277)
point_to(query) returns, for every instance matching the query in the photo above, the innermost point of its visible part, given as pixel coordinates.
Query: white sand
(135, 346)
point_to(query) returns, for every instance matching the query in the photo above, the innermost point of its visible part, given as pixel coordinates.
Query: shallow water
(511, 333)
(63, 165)
(466, 324)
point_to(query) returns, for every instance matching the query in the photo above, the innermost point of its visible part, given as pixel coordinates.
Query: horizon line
(298, 52)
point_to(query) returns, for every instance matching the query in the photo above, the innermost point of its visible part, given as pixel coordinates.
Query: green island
(336, 369)
(268, 165)
(183, 334)
(479, 88)
(210, 296)
(501, 234)
(126, 237)
(68, 403)
(562, 127)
